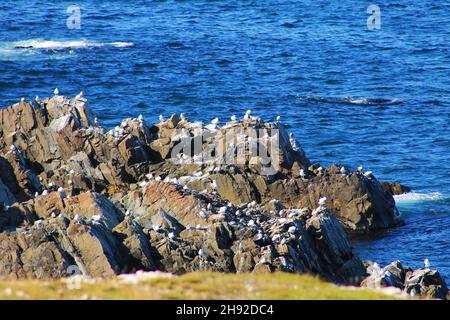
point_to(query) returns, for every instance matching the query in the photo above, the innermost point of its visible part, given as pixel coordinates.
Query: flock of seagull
(119, 131)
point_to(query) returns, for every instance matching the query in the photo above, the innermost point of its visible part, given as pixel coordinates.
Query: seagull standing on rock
(426, 263)
(161, 118)
(343, 170)
(233, 118)
(302, 174)
(37, 99)
(322, 202)
(214, 185)
(247, 115)
(278, 119)
(360, 169)
(56, 92)
(80, 96)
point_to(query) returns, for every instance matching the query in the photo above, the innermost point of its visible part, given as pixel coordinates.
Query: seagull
(161, 118)
(79, 96)
(360, 169)
(96, 122)
(278, 119)
(322, 202)
(320, 169)
(247, 115)
(56, 92)
(140, 117)
(37, 99)
(302, 174)
(62, 192)
(343, 170)
(368, 173)
(426, 263)
(214, 185)
(22, 100)
(215, 121)
(233, 118)
(201, 253)
(171, 235)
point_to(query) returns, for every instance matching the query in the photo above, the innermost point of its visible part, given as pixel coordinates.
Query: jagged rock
(421, 282)
(395, 188)
(138, 197)
(234, 239)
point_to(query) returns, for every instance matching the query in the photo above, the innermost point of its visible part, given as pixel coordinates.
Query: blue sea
(380, 98)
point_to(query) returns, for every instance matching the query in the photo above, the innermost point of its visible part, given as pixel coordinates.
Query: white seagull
(343, 170)
(278, 119)
(233, 118)
(214, 185)
(322, 202)
(37, 99)
(141, 117)
(80, 96)
(161, 118)
(302, 174)
(426, 263)
(56, 92)
(368, 174)
(247, 114)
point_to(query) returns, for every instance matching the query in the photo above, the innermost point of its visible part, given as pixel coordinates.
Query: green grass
(190, 286)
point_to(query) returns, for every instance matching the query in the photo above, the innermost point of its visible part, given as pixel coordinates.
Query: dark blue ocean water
(313, 62)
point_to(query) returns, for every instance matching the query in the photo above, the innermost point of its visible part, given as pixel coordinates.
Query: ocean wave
(418, 197)
(59, 45)
(354, 100)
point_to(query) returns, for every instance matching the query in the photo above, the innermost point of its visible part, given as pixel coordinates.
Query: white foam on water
(38, 48)
(411, 197)
(50, 44)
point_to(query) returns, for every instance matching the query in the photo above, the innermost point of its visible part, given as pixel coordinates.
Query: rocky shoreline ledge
(78, 199)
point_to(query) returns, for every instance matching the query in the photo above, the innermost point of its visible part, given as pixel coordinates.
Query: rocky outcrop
(425, 282)
(176, 196)
(395, 188)
(174, 229)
